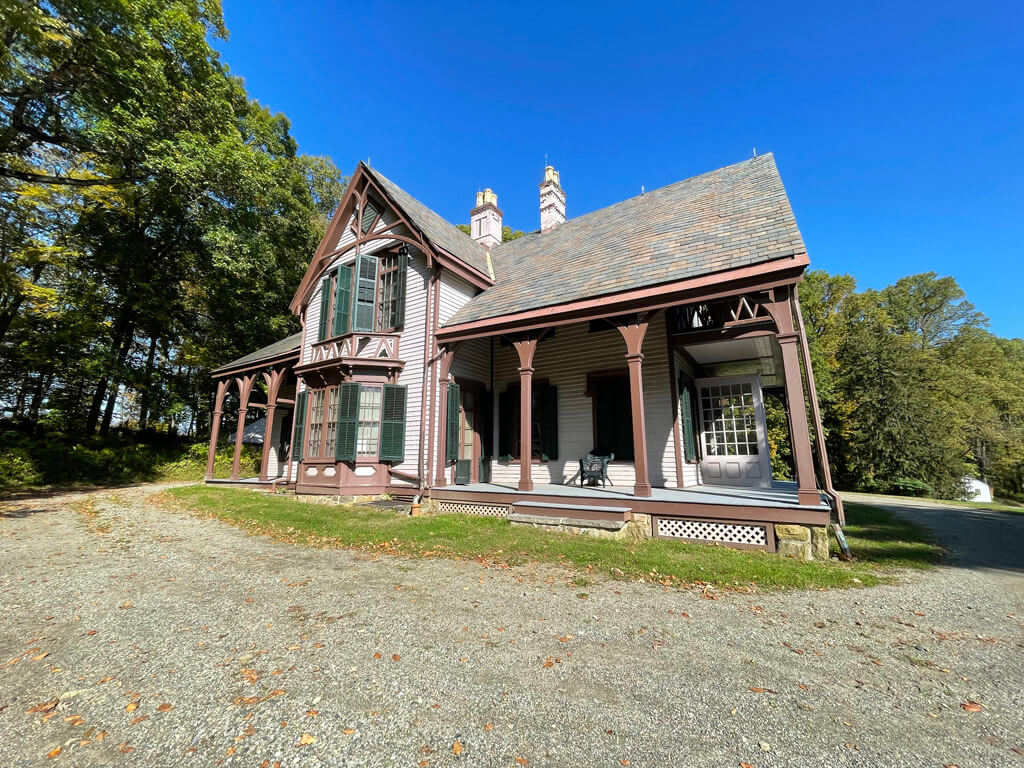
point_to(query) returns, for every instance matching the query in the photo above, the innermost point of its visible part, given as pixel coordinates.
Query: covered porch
(675, 387)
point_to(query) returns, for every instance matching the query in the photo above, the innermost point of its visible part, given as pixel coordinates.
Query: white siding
(565, 361)
(454, 293)
(473, 361)
(410, 348)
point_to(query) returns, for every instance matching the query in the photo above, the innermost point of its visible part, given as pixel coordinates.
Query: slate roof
(438, 231)
(733, 217)
(277, 349)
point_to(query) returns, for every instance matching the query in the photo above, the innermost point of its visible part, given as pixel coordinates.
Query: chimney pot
(552, 200)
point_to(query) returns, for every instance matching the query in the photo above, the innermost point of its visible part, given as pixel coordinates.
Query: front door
(733, 433)
(468, 462)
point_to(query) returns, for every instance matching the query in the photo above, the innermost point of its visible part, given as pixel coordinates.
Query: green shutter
(686, 415)
(300, 425)
(365, 292)
(397, 318)
(454, 401)
(348, 422)
(392, 423)
(507, 423)
(325, 307)
(342, 300)
(463, 471)
(548, 402)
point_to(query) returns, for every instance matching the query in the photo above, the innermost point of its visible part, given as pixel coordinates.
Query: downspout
(812, 393)
(295, 407)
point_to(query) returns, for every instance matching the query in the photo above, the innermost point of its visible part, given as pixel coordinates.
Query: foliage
(496, 540)
(28, 462)
(507, 233)
(154, 222)
(915, 393)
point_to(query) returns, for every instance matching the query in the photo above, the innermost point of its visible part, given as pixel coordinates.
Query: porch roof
(734, 217)
(277, 350)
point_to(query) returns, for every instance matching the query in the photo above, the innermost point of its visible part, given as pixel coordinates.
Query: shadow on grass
(883, 538)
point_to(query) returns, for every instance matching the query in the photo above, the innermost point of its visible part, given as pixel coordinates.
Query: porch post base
(642, 489)
(808, 498)
(525, 485)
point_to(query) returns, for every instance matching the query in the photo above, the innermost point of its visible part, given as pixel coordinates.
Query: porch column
(244, 388)
(218, 406)
(445, 358)
(799, 434)
(633, 332)
(526, 347)
(273, 379)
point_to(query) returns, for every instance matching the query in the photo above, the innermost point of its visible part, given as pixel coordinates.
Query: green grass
(879, 537)
(496, 540)
(993, 506)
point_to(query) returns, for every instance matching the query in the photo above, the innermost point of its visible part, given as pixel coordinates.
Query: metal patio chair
(595, 468)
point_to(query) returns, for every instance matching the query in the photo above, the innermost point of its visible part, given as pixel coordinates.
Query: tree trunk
(147, 386)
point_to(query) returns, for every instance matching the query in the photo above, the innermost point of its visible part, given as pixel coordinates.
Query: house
(476, 373)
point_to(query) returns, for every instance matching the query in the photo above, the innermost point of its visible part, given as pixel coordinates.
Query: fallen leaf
(165, 707)
(457, 748)
(395, 657)
(138, 719)
(132, 706)
(349, 731)
(229, 751)
(378, 655)
(971, 706)
(45, 706)
(41, 656)
(312, 713)
(521, 760)
(623, 761)
(306, 738)
(755, 689)
(74, 720)
(801, 686)
(101, 735)
(489, 727)
(746, 765)
(54, 752)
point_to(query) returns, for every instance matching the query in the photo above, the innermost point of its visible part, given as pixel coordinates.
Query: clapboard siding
(454, 293)
(411, 350)
(564, 361)
(473, 361)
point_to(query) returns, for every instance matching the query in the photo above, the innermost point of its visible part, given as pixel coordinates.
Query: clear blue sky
(897, 126)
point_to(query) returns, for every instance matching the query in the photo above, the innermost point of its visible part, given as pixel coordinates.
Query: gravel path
(188, 642)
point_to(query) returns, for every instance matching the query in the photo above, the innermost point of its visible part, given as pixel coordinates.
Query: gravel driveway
(183, 641)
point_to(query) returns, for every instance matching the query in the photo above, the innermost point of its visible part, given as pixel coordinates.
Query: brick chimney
(552, 201)
(485, 220)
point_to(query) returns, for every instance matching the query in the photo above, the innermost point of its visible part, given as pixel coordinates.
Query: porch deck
(777, 504)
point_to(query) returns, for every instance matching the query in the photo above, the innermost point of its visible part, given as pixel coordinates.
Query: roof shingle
(733, 217)
(277, 349)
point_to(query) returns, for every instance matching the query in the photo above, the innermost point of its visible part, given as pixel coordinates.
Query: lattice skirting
(468, 508)
(720, 533)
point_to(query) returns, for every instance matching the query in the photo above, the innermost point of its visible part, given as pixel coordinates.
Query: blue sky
(897, 127)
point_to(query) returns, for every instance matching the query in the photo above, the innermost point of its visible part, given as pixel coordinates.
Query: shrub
(908, 486)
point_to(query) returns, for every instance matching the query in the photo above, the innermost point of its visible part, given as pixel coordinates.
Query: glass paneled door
(734, 437)
(467, 463)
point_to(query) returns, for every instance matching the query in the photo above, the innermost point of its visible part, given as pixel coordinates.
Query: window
(729, 420)
(316, 422)
(388, 291)
(613, 414)
(331, 432)
(368, 435)
(544, 426)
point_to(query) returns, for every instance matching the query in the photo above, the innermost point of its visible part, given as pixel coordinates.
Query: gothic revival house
(478, 374)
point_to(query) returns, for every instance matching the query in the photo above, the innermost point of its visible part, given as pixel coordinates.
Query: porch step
(570, 522)
(578, 513)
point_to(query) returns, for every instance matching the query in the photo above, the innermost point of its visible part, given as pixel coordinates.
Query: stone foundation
(803, 542)
(637, 528)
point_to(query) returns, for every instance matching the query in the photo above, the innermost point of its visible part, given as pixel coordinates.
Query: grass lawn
(883, 543)
(993, 506)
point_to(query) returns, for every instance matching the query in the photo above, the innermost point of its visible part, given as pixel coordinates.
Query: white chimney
(552, 201)
(485, 220)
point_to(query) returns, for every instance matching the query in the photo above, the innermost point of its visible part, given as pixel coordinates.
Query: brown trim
(525, 348)
(218, 411)
(633, 333)
(227, 371)
(770, 274)
(423, 480)
(717, 334)
(431, 373)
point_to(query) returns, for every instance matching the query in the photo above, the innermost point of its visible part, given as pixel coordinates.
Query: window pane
(331, 422)
(316, 423)
(368, 436)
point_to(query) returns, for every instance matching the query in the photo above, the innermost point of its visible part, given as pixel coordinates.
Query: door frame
(478, 389)
(760, 425)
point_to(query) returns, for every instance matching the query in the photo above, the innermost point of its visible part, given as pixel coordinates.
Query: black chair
(595, 468)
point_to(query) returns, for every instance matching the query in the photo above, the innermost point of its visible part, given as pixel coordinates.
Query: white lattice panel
(465, 508)
(725, 533)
